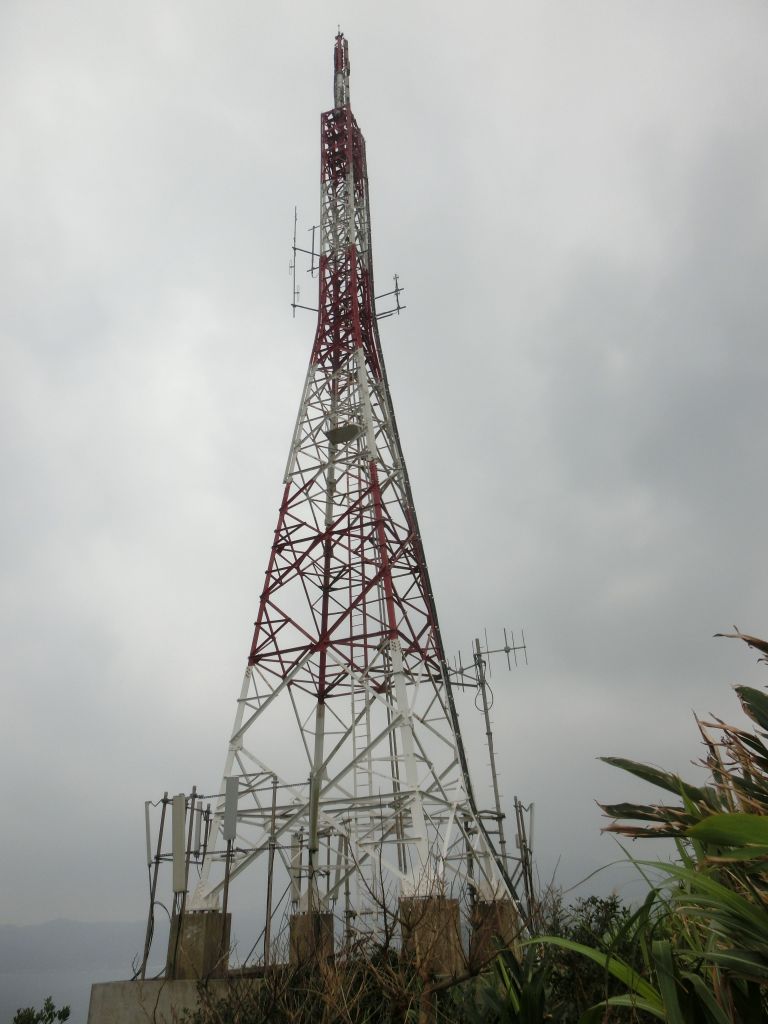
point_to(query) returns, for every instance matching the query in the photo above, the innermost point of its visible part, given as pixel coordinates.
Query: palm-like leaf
(713, 959)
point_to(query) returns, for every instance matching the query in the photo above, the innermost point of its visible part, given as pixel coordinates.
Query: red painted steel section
(346, 571)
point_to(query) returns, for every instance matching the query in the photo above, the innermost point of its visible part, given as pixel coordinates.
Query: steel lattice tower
(353, 785)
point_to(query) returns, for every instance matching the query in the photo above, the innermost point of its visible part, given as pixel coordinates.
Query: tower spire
(341, 71)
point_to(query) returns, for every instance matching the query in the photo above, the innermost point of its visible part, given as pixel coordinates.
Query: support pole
(315, 783)
(270, 875)
(153, 886)
(482, 686)
(418, 822)
(225, 900)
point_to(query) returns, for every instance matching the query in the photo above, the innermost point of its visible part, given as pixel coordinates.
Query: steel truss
(346, 740)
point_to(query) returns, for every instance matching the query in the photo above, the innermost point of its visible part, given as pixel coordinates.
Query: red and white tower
(352, 780)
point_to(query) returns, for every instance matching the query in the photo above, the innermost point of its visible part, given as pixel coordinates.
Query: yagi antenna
(314, 268)
(397, 291)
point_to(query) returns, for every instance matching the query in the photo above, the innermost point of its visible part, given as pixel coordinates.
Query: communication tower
(346, 789)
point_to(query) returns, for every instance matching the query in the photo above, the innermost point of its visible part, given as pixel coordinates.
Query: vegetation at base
(48, 1015)
(561, 979)
(695, 952)
(371, 985)
(703, 930)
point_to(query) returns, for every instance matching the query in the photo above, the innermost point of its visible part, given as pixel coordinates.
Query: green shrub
(703, 930)
(48, 1015)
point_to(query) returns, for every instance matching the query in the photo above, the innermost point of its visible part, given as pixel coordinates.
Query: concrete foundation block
(311, 937)
(495, 926)
(431, 933)
(198, 947)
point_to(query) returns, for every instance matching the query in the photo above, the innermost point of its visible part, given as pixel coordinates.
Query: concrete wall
(161, 1001)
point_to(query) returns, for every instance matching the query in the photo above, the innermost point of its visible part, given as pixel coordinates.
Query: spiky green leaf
(755, 704)
(732, 830)
(665, 780)
(650, 812)
(610, 963)
(665, 974)
(712, 1008)
(629, 1001)
(747, 965)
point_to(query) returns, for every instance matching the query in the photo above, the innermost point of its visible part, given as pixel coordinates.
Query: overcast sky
(576, 199)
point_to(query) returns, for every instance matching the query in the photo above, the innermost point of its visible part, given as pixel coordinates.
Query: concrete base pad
(311, 937)
(431, 933)
(495, 926)
(159, 1002)
(198, 945)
